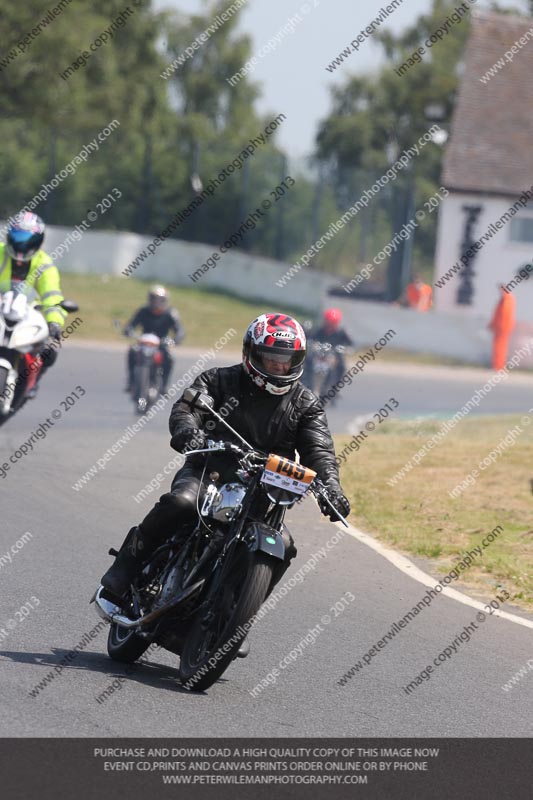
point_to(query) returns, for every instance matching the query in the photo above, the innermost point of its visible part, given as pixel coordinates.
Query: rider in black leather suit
(157, 318)
(272, 410)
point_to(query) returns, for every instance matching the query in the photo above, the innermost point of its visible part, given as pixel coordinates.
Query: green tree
(193, 123)
(216, 121)
(376, 116)
(45, 120)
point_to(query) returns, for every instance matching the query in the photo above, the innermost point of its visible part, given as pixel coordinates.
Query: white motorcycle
(23, 335)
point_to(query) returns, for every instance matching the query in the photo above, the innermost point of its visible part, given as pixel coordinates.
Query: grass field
(205, 315)
(418, 517)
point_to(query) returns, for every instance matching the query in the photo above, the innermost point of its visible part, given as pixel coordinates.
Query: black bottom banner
(266, 768)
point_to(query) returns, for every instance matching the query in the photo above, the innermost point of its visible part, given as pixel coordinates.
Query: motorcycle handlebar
(328, 348)
(217, 447)
(317, 488)
(320, 490)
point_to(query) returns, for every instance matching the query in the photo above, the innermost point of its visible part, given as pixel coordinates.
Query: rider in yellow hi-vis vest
(21, 259)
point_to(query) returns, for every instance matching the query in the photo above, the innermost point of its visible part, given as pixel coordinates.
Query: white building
(487, 167)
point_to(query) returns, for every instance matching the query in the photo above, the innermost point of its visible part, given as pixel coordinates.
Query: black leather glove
(189, 439)
(54, 330)
(339, 501)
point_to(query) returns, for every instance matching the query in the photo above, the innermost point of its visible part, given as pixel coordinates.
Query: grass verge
(206, 315)
(417, 515)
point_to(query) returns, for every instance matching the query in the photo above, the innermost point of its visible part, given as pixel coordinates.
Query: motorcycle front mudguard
(140, 393)
(260, 536)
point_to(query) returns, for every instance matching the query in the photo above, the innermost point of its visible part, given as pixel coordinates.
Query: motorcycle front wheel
(3, 379)
(3, 385)
(141, 388)
(211, 646)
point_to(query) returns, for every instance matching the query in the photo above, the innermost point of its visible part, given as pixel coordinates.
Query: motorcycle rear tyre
(124, 645)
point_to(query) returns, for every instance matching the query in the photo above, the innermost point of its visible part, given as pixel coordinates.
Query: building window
(522, 229)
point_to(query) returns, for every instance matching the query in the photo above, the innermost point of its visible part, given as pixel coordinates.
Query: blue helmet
(25, 236)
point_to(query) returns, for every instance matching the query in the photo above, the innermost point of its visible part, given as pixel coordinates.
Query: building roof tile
(491, 145)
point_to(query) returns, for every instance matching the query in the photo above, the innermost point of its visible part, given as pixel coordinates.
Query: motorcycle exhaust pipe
(111, 613)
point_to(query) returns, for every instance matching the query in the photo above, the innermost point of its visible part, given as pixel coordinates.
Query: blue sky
(294, 79)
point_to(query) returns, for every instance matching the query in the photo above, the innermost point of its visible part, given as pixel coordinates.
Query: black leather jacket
(338, 337)
(280, 424)
(160, 324)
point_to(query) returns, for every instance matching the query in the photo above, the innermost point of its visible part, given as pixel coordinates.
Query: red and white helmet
(274, 338)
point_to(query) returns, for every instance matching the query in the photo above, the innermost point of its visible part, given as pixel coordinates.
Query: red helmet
(332, 318)
(273, 352)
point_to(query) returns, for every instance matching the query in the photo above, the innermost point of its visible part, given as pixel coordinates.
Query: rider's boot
(135, 549)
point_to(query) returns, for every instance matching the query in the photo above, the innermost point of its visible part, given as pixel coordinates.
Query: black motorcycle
(198, 593)
(323, 367)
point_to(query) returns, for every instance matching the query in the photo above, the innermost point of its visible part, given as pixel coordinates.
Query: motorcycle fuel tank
(225, 502)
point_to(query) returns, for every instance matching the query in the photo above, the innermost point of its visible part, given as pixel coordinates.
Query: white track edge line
(406, 565)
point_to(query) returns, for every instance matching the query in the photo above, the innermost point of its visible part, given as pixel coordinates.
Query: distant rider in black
(159, 319)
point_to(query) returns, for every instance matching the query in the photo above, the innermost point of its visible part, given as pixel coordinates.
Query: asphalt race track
(55, 573)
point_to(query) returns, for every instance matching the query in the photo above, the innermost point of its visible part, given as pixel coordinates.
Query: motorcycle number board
(287, 474)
